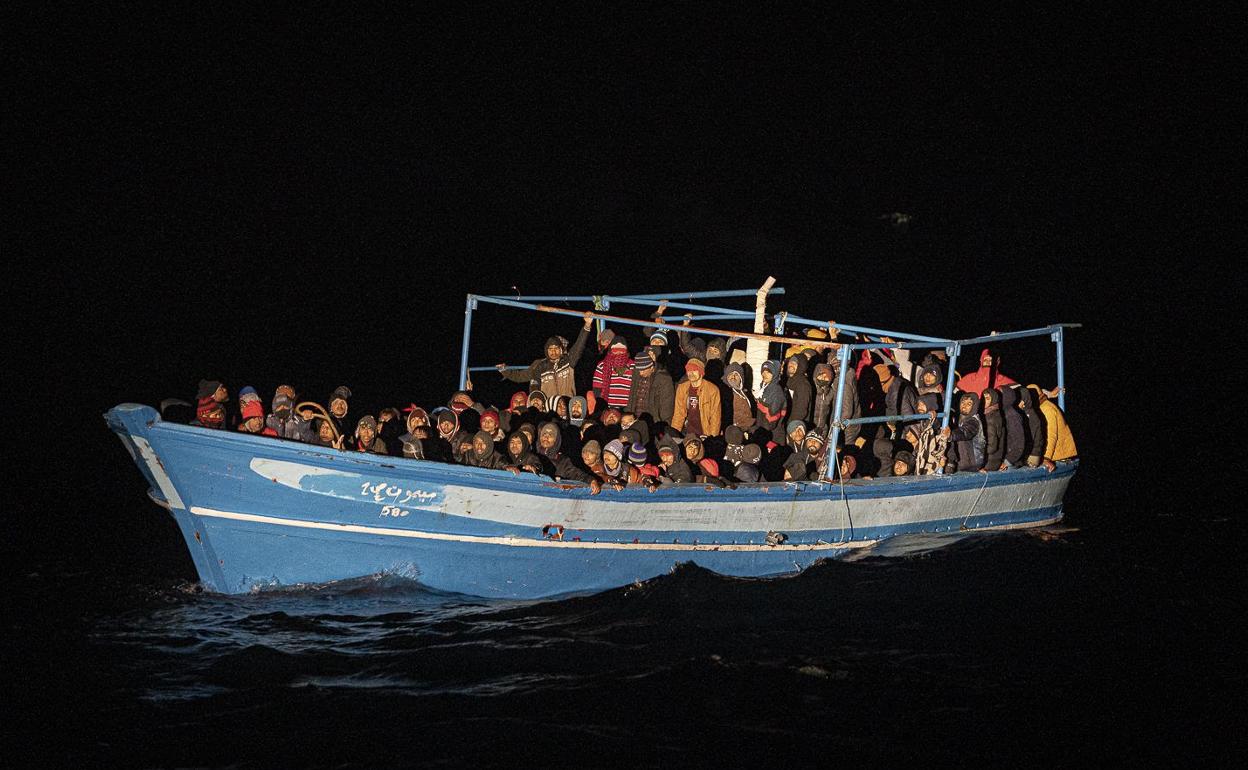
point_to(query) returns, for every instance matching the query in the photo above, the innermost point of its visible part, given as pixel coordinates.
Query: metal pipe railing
(469, 305)
(891, 418)
(702, 294)
(1003, 336)
(834, 463)
(866, 330)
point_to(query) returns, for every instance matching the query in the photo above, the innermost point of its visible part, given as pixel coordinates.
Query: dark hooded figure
(740, 407)
(1037, 431)
(389, 428)
(994, 431)
(931, 379)
(340, 409)
(801, 393)
(796, 467)
(554, 374)
(673, 468)
(968, 436)
(483, 454)
(519, 455)
(1015, 427)
(824, 398)
(772, 404)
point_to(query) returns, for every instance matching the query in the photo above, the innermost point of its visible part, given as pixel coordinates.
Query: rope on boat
(324, 414)
(844, 499)
(962, 527)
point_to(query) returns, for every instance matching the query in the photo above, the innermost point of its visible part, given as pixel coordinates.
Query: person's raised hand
(595, 486)
(589, 318)
(688, 319)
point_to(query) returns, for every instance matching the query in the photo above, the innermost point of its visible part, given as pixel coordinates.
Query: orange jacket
(708, 407)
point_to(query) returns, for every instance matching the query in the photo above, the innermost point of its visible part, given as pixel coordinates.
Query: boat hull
(258, 512)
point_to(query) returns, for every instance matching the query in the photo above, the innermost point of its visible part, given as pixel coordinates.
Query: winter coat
(1037, 432)
(773, 403)
(709, 407)
(660, 398)
(554, 378)
(1059, 443)
(294, 427)
(801, 392)
(968, 438)
(378, 447)
(526, 457)
(983, 378)
(739, 404)
(489, 458)
(1015, 427)
(679, 472)
(994, 430)
(825, 402)
(938, 387)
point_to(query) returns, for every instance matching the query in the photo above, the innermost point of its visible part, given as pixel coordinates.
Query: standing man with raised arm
(554, 375)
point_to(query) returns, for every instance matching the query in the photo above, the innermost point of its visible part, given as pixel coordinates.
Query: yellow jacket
(1060, 442)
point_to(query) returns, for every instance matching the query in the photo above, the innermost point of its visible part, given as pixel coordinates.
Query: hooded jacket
(526, 457)
(709, 407)
(968, 436)
(1059, 442)
(554, 378)
(994, 430)
(1015, 427)
(984, 377)
(680, 471)
(772, 404)
(1037, 431)
(938, 387)
(487, 456)
(801, 392)
(705, 469)
(740, 410)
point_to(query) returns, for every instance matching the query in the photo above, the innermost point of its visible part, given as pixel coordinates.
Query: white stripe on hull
(515, 541)
(530, 543)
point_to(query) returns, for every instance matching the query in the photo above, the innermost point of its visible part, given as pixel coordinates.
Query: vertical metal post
(602, 304)
(469, 305)
(833, 468)
(952, 351)
(1059, 338)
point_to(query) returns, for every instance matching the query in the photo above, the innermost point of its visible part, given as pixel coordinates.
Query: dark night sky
(264, 196)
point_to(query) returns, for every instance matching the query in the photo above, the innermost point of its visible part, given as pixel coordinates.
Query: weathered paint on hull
(260, 512)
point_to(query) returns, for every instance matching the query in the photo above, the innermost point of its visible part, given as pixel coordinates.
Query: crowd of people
(637, 424)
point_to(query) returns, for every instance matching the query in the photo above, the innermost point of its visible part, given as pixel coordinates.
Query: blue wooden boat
(259, 512)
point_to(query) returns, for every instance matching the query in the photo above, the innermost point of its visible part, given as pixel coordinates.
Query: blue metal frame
(602, 303)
